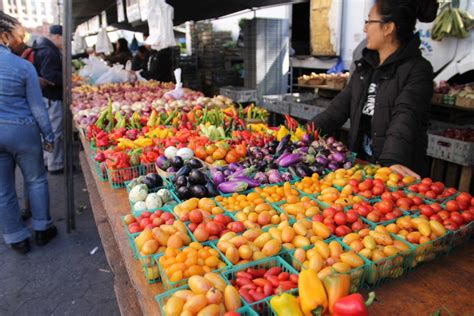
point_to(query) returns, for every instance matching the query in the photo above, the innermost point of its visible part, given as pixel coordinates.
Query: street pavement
(63, 277)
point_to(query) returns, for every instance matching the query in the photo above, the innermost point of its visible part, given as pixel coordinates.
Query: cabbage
(138, 193)
(140, 206)
(164, 195)
(185, 153)
(153, 201)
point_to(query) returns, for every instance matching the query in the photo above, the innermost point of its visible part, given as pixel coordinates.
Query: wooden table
(447, 282)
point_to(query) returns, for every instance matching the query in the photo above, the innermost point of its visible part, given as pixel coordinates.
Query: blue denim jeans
(55, 160)
(20, 144)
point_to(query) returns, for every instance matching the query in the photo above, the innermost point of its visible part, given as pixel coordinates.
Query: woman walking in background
(23, 119)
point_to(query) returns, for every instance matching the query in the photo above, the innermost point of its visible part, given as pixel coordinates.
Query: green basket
(460, 236)
(357, 274)
(246, 311)
(118, 177)
(378, 272)
(100, 172)
(429, 250)
(173, 202)
(168, 285)
(265, 263)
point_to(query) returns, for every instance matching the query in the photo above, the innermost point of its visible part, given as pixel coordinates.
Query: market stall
(271, 198)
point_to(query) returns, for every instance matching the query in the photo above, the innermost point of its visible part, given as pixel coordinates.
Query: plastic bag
(161, 26)
(94, 68)
(103, 45)
(337, 68)
(79, 43)
(178, 91)
(116, 74)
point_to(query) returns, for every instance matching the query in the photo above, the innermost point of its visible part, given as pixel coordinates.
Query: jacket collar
(5, 48)
(409, 50)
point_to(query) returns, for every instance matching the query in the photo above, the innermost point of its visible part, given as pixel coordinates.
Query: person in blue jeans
(23, 119)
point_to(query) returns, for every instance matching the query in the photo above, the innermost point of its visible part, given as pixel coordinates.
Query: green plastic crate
(247, 311)
(357, 274)
(265, 263)
(430, 250)
(168, 285)
(100, 172)
(378, 272)
(460, 236)
(118, 177)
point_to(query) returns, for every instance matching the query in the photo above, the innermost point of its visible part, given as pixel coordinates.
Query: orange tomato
(219, 154)
(241, 150)
(200, 152)
(232, 156)
(211, 149)
(209, 160)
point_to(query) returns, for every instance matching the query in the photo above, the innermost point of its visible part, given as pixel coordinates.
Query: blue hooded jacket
(49, 66)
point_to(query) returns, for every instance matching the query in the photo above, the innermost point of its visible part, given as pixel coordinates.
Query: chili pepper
(337, 286)
(92, 131)
(100, 123)
(121, 122)
(170, 117)
(285, 305)
(311, 291)
(152, 119)
(118, 133)
(353, 305)
(118, 160)
(148, 157)
(110, 116)
(102, 139)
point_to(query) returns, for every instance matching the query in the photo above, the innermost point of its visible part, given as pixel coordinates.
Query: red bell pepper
(353, 305)
(148, 157)
(118, 160)
(92, 131)
(118, 133)
(102, 139)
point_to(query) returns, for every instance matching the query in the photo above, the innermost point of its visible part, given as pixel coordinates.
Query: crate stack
(190, 75)
(266, 55)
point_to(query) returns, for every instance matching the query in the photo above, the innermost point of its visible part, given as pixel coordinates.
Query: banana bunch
(452, 22)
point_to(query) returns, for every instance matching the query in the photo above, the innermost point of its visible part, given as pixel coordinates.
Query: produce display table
(445, 284)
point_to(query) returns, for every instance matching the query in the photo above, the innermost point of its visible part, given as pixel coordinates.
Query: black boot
(44, 236)
(21, 246)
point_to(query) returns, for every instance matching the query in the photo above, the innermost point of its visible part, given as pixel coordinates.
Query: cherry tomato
(340, 218)
(452, 206)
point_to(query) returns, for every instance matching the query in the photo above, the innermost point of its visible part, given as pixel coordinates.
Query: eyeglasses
(374, 21)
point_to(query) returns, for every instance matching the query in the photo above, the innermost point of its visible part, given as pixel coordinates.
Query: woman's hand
(404, 171)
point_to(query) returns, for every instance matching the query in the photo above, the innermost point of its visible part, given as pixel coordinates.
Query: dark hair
(402, 13)
(7, 23)
(123, 45)
(142, 49)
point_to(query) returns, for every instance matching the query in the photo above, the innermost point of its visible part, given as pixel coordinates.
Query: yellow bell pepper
(143, 142)
(337, 286)
(311, 291)
(282, 132)
(285, 305)
(124, 143)
(299, 133)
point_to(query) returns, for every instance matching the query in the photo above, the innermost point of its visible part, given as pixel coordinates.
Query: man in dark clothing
(159, 66)
(49, 66)
(140, 60)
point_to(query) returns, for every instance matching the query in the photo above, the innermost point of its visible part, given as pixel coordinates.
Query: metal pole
(67, 118)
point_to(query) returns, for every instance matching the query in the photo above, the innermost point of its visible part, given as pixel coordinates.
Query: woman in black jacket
(389, 95)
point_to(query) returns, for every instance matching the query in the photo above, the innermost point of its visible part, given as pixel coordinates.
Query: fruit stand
(238, 213)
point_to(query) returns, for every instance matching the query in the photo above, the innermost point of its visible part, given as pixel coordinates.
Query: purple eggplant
(162, 162)
(338, 157)
(306, 139)
(330, 140)
(290, 160)
(233, 166)
(261, 177)
(347, 165)
(282, 157)
(274, 176)
(333, 165)
(218, 177)
(231, 187)
(252, 183)
(282, 145)
(322, 160)
(303, 170)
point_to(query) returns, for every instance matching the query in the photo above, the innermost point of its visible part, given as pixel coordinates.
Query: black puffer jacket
(49, 66)
(402, 106)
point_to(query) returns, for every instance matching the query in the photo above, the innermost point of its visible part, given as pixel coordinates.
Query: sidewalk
(61, 278)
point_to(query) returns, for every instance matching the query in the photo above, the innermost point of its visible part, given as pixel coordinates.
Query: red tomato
(427, 181)
(352, 216)
(145, 222)
(342, 230)
(145, 214)
(166, 216)
(404, 203)
(213, 228)
(457, 218)
(363, 210)
(353, 182)
(331, 227)
(153, 216)
(426, 210)
(444, 215)
(450, 225)
(437, 187)
(463, 205)
(413, 188)
(387, 196)
(192, 227)
(373, 217)
(398, 195)
(452, 206)
(318, 218)
(134, 228)
(328, 220)
(365, 185)
(436, 207)
(159, 212)
(384, 206)
(367, 194)
(464, 197)
(378, 190)
(451, 191)
(397, 212)
(417, 200)
(196, 216)
(357, 225)
(422, 188)
(430, 194)
(467, 216)
(436, 217)
(340, 218)
(329, 212)
(157, 222)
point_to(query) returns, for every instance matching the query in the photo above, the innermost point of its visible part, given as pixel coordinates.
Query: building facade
(32, 13)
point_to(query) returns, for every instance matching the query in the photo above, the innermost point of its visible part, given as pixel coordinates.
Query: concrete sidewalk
(61, 278)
